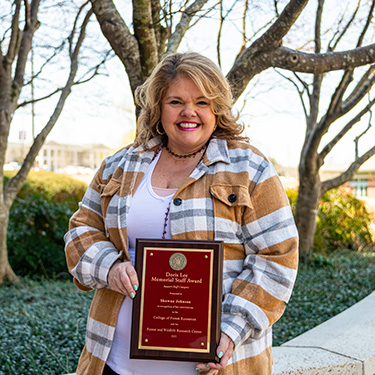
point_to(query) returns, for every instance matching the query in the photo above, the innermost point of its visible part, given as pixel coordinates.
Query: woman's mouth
(188, 125)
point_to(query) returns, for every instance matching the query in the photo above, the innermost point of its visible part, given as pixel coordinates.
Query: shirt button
(177, 201)
(232, 198)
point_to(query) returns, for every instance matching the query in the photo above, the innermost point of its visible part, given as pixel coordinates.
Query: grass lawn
(324, 289)
(43, 323)
(43, 327)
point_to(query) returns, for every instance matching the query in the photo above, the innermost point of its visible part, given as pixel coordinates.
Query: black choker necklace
(187, 155)
(178, 156)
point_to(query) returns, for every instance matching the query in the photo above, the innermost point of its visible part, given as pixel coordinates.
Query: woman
(189, 175)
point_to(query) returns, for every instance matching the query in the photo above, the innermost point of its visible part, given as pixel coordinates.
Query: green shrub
(292, 196)
(342, 222)
(38, 220)
(54, 187)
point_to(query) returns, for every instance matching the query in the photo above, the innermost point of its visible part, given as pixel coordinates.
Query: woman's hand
(224, 352)
(123, 278)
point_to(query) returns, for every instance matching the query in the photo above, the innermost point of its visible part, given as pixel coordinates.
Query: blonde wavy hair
(206, 75)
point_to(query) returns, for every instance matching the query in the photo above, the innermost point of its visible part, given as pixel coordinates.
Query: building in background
(60, 157)
(363, 184)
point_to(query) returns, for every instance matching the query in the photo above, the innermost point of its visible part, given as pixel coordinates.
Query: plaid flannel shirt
(258, 230)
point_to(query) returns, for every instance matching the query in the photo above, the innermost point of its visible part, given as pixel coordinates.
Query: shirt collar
(217, 150)
(150, 145)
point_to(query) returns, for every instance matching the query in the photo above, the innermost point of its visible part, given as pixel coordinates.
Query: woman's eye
(203, 102)
(174, 102)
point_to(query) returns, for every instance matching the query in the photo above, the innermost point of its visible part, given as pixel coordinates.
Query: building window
(359, 186)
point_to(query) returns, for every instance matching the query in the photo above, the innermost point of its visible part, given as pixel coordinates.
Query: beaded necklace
(179, 156)
(187, 155)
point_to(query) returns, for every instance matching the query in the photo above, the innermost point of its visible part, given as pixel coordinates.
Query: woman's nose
(188, 110)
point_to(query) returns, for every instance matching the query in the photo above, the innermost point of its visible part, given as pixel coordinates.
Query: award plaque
(177, 309)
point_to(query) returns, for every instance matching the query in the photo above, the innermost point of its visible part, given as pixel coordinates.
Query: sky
(102, 110)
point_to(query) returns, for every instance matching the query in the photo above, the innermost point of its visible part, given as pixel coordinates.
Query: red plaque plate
(177, 310)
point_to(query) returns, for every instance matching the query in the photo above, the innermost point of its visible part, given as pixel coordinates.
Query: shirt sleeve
(260, 292)
(89, 253)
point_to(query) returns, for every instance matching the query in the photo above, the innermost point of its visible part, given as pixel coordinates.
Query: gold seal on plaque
(177, 261)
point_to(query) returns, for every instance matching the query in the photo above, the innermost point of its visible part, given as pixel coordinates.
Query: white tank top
(145, 220)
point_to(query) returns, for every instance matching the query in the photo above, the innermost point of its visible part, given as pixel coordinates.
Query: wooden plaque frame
(206, 313)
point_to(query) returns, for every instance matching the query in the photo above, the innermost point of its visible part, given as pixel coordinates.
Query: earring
(157, 129)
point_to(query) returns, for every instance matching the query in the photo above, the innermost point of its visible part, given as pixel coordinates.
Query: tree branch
(276, 8)
(208, 11)
(71, 36)
(94, 70)
(345, 129)
(334, 108)
(274, 35)
(47, 60)
(310, 145)
(367, 24)
(303, 62)
(14, 184)
(161, 33)
(304, 84)
(15, 35)
(318, 78)
(218, 44)
(27, 102)
(244, 39)
(244, 69)
(349, 105)
(344, 30)
(361, 89)
(119, 37)
(318, 24)
(300, 92)
(145, 35)
(285, 58)
(27, 13)
(24, 50)
(348, 174)
(356, 139)
(183, 25)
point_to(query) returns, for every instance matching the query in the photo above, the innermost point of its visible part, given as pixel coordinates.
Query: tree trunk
(306, 212)
(6, 272)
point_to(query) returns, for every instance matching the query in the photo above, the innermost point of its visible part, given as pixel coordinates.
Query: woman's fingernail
(220, 354)
(135, 287)
(132, 295)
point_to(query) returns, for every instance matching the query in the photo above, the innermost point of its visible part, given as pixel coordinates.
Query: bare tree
(348, 103)
(154, 36)
(15, 47)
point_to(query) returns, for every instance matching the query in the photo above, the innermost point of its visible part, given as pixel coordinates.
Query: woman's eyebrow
(178, 97)
(173, 97)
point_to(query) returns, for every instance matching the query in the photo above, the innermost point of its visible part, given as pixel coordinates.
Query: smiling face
(186, 116)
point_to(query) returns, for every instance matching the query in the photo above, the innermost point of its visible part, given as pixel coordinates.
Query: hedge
(38, 220)
(343, 222)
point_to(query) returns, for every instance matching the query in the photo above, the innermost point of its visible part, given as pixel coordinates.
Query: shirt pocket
(230, 201)
(109, 203)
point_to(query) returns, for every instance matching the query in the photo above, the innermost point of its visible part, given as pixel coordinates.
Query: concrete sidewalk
(344, 344)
